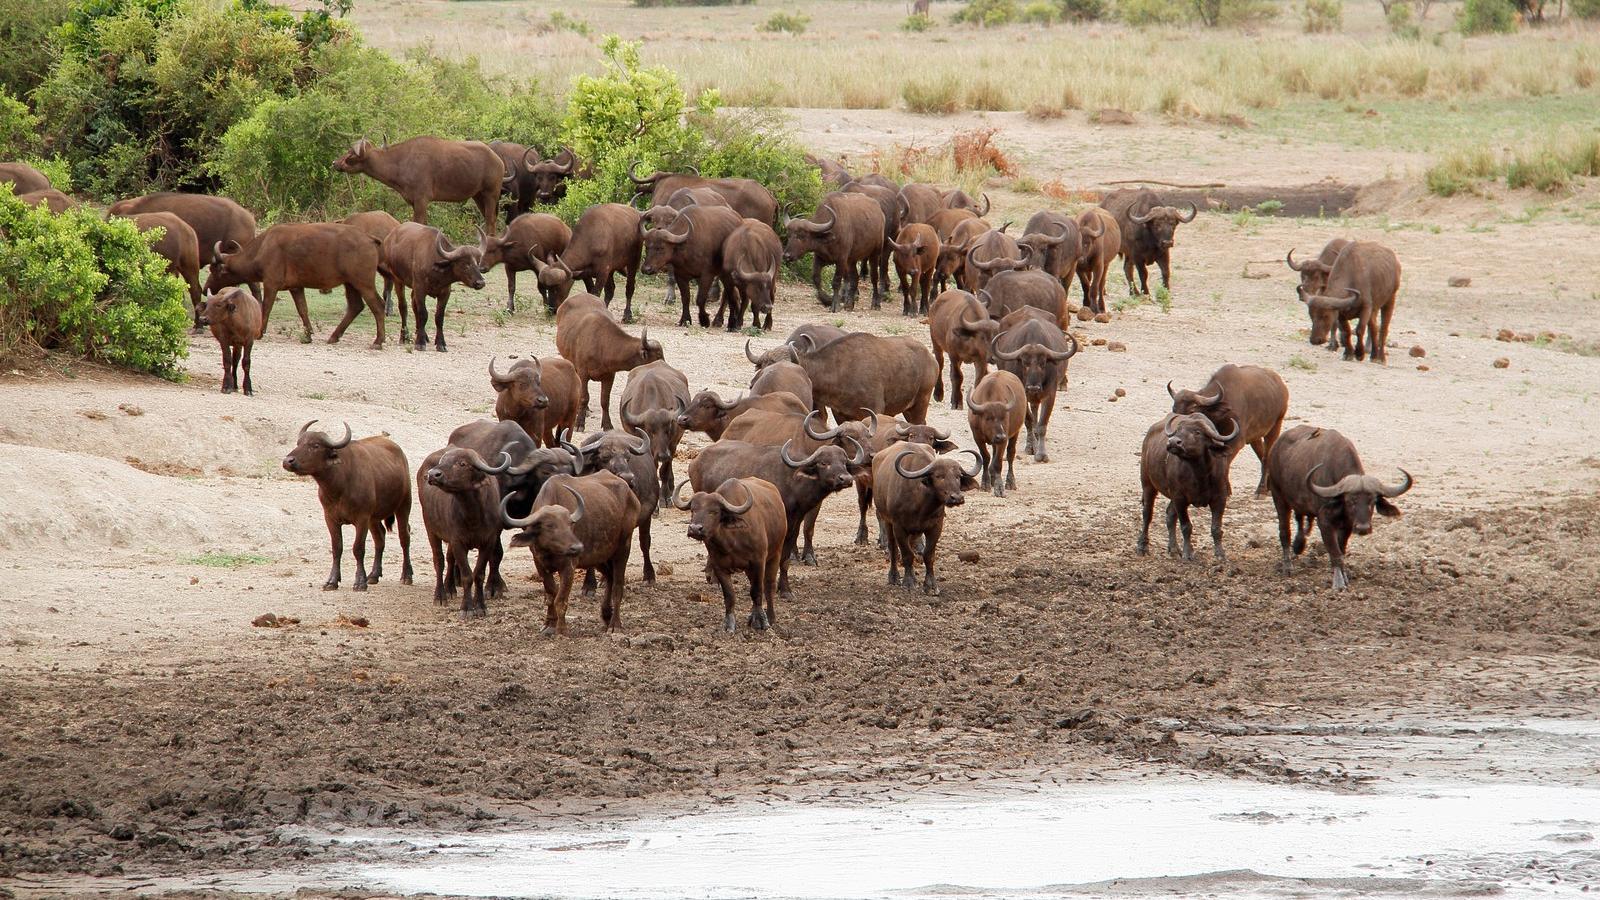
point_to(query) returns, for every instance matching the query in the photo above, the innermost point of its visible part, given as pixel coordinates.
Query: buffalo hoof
(249, 392)
(359, 586)
(758, 621)
(330, 585)
(548, 631)
(729, 624)
(467, 615)
(808, 558)
(909, 582)
(331, 339)
(1341, 579)
(1286, 566)
(1041, 457)
(1141, 548)
(1218, 555)
(439, 598)
(931, 588)
(861, 536)
(894, 577)
(441, 348)
(405, 577)
(999, 491)
(1011, 483)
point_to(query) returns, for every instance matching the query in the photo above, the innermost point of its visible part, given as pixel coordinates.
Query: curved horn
(1064, 355)
(1002, 354)
(1216, 435)
(627, 417)
(941, 435)
(870, 423)
(1170, 424)
(985, 206)
(1170, 392)
(677, 496)
(754, 360)
(1319, 301)
(977, 464)
(1138, 219)
(833, 219)
(1193, 211)
(1212, 400)
(1053, 241)
(729, 404)
(1388, 491)
(1290, 260)
(577, 514)
(635, 198)
(572, 161)
(860, 457)
(496, 377)
(303, 429)
(643, 447)
(633, 176)
(983, 324)
(1326, 492)
(790, 461)
(900, 431)
(485, 468)
(749, 498)
(688, 229)
(533, 152)
(828, 435)
(1003, 226)
(216, 250)
(1100, 228)
(442, 246)
(344, 443)
(505, 517)
(899, 470)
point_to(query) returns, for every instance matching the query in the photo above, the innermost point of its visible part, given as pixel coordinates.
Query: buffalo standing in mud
(1252, 396)
(742, 525)
(1185, 459)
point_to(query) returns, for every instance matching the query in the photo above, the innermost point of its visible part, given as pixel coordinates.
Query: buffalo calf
(235, 320)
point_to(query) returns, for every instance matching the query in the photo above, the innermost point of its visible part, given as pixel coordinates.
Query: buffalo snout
(697, 532)
(290, 464)
(954, 500)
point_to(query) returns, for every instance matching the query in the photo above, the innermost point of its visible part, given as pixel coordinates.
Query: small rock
(92, 414)
(697, 597)
(1084, 315)
(1074, 308)
(1502, 363)
(1418, 352)
(121, 833)
(1506, 335)
(1120, 392)
(968, 556)
(193, 579)
(265, 620)
(1117, 347)
(1111, 399)
(1102, 318)
(1569, 837)
(651, 641)
(1422, 368)
(1459, 281)
(1098, 342)
(130, 409)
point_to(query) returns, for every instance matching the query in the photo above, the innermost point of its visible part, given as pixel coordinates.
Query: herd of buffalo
(991, 300)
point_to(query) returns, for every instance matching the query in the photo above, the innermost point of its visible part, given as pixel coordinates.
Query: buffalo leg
(581, 420)
(769, 586)
(1046, 410)
(438, 320)
(908, 554)
(1127, 274)
(1331, 541)
(996, 482)
(938, 371)
(1030, 418)
(1188, 530)
(668, 484)
(441, 587)
(701, 289)
(375, 528)
(403, 528)
(609, 279)
(816, 281)
(791, 538)
(1286, 559)
(1011, 462)
(683, 297)
(359, 550)
(906, 300)
(511, 289)
(615, 573)
(1342, 326)
(758, 612)
(336, 539)
(556, 614)
(352, 308)
(983, 463)
(496, 584)
(1147, 507)
(404, 307)
(419, 309)
(644, 551)
(955, 382)
(246, 351)
(1164, 261)
(887, 530)
(1381, 339)
(930, 544)
(836, 300)
(1172, 528)
(266, 310)
(725, 581)
(808, 555)
(299, 295)
(736, 302)
(590, 582)
(1375, 351)
(863, 500)
(1217, 508)
(227, 369)
(1302, 528)
(605, 400)
(375, 304)
(475, 590)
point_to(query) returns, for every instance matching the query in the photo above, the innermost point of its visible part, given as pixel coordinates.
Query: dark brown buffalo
(803, 481)
(785, 352)
(1010, 291)
(294, 257)
(53, 199)
(945, 221)
(711, 414)
(747, 197)
(517, 188)
(530, 465)
(427, 169)
(653, 399)
(179, 246)
(912, 489)
(530, 242)
(753, 256)
(630, 458)
(235, 320)
(1095, 261)
(959, 325)
(1185, 458)
(742, 524)
(887, 201)
(1036, 351)
(366, 484)
(959, 199)
(24, 179)
(918, 203)
(598, 349)
(879, 179)
(663, 215)
(916, 261)
(420, 258)
(990, 254)
(550, 176)
(888, 375)
(1314, 275)
(377, 223)
(541, 395)
(1316, 474)
(951, 270)
(1147, 233)
(1254, 397)
(996, 410)
(216, 221)
(1056, 243)
(846, 231)
(880, 433)
(578, 523)
(605, 243)
(1362, 286)
(781, 377)
(460, 498)
(690, 248)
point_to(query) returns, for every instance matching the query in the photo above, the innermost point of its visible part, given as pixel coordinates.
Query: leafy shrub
(1322, 16)
(1235, 13)
(1487, 17)
(1402, 23)
(939, 96)
(26, 28)
(919, 22)
(1460, 171)
(560, 21)
(1083, 10)
(1585, 9)
(1145, 13)
(77, 283)
(989, 13)
(1042, 12)
(18, 127)
(787, 22)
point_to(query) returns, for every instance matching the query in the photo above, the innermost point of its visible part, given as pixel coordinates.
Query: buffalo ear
(522, 539)
(232, 305)
(729, 520)
(1385, 508)
(944, 446)
(968, 483)
(441, 263)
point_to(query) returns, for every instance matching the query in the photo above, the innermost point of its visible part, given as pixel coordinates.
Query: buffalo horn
(977, 464)
(790, 461)
(677, 496)
(749, 497)
(336, 445)
(1216, 435)
(1319, 301)
(1193, 211)
(917, 473)
(505, 517)
(828, 435)
(577, 514)
(1388, 491)
(485, 468)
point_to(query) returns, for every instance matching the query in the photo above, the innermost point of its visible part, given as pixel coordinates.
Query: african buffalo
(990, 254)
(1147, 231)
(531, 242)
(996, 408)
(785, 352)
(1314, 275)
(1185, 458)
(711, 414)
(959, 325)
(846, 230)
(742, 524)
(366, 484)
(419, 257)
(918, 203)
(1036, 351)
(24, 179)
(690, 249)
(460, 498)
(235, 320)
(1254, 397)
(1361, 285)
(631, 458)
(179, 246)
(541, 395)
(748, 197)
(888, 375)
(653, 399)
(605, 242)
(753, 257)
(294, 257)
(912, 489)
(598, 349)
(1008, 292)
(428, 169)
(1056, 242)
(916, 261)
(1095, 260)
(576, 523)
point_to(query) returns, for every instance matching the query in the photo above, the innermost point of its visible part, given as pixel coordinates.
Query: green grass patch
(216, 559)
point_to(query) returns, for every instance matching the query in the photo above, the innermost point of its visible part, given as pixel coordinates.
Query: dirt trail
(147, 523)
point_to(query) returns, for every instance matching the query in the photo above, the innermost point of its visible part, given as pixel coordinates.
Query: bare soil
(144, 722)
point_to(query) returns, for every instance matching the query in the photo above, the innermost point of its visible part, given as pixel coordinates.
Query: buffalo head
(942, 476)
(1162, 222)
(314, 452)
(1359, 495)
(1192, 437)
(712, 511)
(548, 530)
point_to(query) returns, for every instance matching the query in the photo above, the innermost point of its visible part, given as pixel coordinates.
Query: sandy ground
(145, 722)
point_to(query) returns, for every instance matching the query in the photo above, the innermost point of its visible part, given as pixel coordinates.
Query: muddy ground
(146, 725)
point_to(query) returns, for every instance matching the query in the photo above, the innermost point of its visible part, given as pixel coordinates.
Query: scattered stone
(1459, 281)
(1120, 392)
(1102, 318)
(130, 409)
(1506, 334)
(344, 621)
(651, 641)
(1098, 342)
(270, 620)
(1502, 363)
(121, 833)
(1111, 399)
(1418, 352)
(1076, 719)
(1569, 837)
(193, 579)
(968, 556)
(92, 414)
(1117, 347)
(1422, 368)
(697, 597)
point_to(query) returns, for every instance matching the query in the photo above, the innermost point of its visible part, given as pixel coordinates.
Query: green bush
(560, 21)
(989, 13)
(1083, 10)
(1322, 16)
(26, 39)
(938, 96)
(1487, 17)
(786, 22)
(918, 22)
(87, 286)
(19, 127)
(1585, 9)
(1402, 22)
(1144, 13)
(1235, 13)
